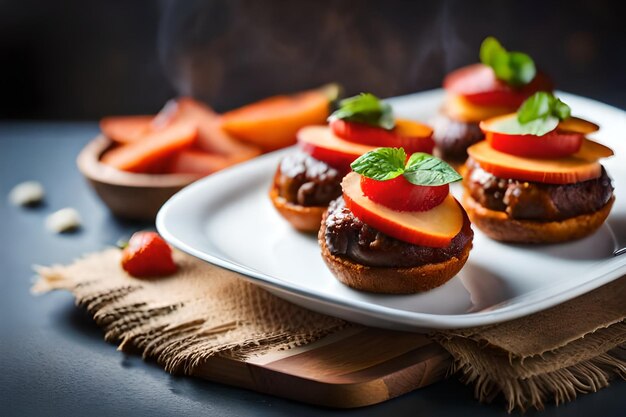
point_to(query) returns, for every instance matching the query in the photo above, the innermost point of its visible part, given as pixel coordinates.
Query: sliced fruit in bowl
(153, 149)
(126, 129)
(141, 161)
(136, 196)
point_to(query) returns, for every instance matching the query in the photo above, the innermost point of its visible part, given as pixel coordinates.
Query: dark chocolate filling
(524, 200)
(306, 181)
(453, 137)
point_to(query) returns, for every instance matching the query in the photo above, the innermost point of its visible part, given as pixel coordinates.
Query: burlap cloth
(179, 321)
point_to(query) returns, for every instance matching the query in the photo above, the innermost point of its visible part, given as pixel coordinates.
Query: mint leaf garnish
(514, 68)
(381, 164)
(537, 106)
(421, 169)
(425, 169)
(538, 127)
(365, 108)
(490, 49)
(538, 115)
(561, 110)
(542, 105)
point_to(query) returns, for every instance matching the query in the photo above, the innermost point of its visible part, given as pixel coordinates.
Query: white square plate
(227, 219)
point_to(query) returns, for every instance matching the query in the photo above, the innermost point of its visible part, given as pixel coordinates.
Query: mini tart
(499, 226)
(303, 218)
(387, 280)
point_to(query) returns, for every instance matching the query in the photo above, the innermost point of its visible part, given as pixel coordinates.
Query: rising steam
(228, 52)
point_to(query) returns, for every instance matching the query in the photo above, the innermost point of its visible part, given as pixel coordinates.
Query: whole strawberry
(148, 255)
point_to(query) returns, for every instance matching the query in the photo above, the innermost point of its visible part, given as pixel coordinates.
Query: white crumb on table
(63, 220)
(27, 193)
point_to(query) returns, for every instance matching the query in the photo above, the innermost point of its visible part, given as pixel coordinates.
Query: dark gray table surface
(53, 360)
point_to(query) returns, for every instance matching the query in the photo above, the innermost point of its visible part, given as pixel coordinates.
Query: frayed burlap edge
(183, 320)
(581, 367)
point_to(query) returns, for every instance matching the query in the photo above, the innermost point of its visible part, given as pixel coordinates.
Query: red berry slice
(555, 144)
(399, 194)
(410, 135)
(435, 227)
(478, 84)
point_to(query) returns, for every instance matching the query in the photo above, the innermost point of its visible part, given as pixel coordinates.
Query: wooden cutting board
(354, 367)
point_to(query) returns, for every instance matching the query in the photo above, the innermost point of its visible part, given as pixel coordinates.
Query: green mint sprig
(514, 68)
(538, 115)
(542, 105)
(384, 164)
(365, 108)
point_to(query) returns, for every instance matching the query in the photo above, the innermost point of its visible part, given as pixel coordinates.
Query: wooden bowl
(128, 195)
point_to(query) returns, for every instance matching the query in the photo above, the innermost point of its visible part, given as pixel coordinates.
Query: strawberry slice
(435, 227)
(410, 135)
(553, 144)
(478, 84)
(564, 141)
(400, 195)
(148, 255)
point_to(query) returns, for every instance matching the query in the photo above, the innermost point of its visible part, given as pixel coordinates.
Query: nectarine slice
(435, 227)
(322, 144)
(575, 124)
(459, 108)
(581, 166)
